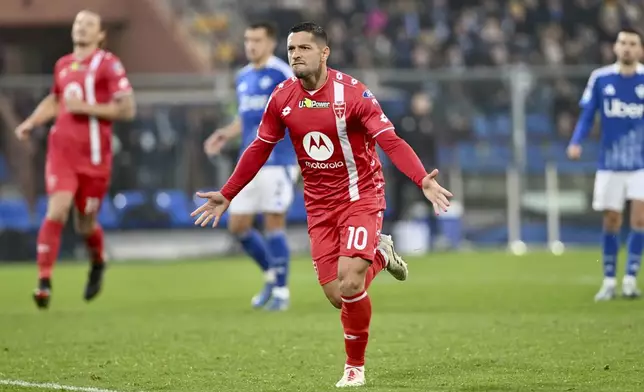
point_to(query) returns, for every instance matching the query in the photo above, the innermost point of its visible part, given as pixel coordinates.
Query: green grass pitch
(466, 322)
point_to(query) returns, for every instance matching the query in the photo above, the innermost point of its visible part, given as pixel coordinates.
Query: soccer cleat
(41, 297)
(277, 304)
(607, 291)
(94, 281)
(353, 377)
(396, 266)
(261, 299)
(629, 288)
(42, 294)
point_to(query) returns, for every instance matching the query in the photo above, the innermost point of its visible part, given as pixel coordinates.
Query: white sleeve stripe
(603, 71)
(268, 141)
(383, 130)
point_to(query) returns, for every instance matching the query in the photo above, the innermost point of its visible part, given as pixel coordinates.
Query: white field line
(49, 385)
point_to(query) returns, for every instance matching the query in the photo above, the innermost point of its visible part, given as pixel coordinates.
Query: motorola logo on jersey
(616, 108)
(319, 147)
(73, 90)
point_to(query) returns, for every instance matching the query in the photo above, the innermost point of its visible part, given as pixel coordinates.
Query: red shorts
(353, 231)
(88, 191)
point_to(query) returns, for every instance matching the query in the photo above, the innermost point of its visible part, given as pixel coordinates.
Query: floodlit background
(486, 91)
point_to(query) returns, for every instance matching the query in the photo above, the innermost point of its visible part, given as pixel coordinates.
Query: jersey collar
(326, 82)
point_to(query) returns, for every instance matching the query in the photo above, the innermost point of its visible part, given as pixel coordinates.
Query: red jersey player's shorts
(62, 175)
(352, 230)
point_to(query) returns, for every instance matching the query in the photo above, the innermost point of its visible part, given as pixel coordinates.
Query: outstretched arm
(402, 156)
(270, 132)
(46, 110)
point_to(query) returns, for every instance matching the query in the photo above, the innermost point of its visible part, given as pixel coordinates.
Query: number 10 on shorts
(358, 237)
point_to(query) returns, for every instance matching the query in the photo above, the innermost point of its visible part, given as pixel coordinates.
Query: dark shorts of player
(352, 231)
(88, 190)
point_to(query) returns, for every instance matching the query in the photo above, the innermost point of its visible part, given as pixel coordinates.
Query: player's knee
(85, 224)
(351, 275)
(58, 208)
(637, 215)
(274, 222)
(612, 221)
(239, 225)
(637, 223)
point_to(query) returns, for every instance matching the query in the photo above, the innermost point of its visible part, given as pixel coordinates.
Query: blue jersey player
(617, 92)
(271, 191)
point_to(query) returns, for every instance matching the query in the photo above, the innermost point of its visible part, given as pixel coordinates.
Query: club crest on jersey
(639, 91)
(118, 69)
(609, 90)
(340, 108)
(73, 90)
(265, 82)
(307, 103)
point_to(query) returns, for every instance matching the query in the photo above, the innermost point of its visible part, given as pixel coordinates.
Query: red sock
(356, 316)
(49, 237)
(379, 263)
(95, 242)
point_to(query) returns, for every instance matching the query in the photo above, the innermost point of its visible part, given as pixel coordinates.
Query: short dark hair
(269, 28)
(311, 27)
(630, 30)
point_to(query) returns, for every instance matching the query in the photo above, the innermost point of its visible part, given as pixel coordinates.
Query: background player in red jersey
(90, 90)
(334, 123)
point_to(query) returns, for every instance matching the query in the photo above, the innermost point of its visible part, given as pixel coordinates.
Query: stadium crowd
(410, 34)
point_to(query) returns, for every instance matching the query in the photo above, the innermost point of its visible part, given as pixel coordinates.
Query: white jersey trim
(90, 97)
(268, 141)
(345, 144)
(383, 130)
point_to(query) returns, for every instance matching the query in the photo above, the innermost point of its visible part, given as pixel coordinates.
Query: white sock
(281, 292)
(610, 281)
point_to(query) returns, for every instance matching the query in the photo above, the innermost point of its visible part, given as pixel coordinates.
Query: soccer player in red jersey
(334, 123)
(90, 90)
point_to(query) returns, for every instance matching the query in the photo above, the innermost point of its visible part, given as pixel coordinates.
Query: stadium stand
(159, 159)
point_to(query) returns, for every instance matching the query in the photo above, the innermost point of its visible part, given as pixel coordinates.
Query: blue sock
(254, 244)
(634, 243)
(280, 253)
(610, 247)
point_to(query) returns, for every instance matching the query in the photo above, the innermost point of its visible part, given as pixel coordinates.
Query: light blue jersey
(254, 86)
(620, 101)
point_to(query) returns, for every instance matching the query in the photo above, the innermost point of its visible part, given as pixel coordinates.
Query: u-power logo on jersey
(319, 147)
(616, 108)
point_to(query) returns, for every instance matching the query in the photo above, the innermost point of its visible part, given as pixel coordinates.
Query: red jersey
(333, 131)
(85, 142)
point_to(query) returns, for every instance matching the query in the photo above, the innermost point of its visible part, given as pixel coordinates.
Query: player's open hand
(212, 210)
(435, 193)
(24, 130)
(213, 145)
(574, 151)
(76, 106)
